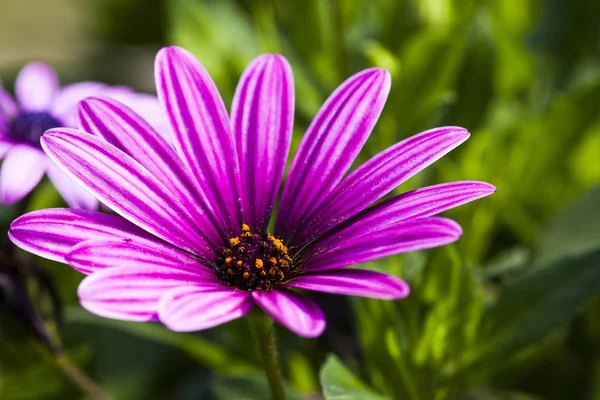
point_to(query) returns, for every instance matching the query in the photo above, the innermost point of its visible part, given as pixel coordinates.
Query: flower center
(255, 261)
(28, 127)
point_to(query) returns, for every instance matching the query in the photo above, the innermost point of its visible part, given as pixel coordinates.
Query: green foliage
(340, 384)
(510, 312)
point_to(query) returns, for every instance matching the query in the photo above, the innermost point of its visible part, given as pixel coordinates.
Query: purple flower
(191, 247)
(43, 105)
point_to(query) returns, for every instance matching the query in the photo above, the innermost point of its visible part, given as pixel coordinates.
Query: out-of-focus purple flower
(42, 105)
(191, 246)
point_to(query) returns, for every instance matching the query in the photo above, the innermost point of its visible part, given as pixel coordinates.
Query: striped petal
(292, 310)
(262, 119)
(93, 255)
(341, 250)
(418, 203)
(148, 107)
(132, 293)
(120, 126)
(52, 233)
(201, 133)
(331, 145)
(125, 186)
(379, 176)
(194, 308)
(353, 282)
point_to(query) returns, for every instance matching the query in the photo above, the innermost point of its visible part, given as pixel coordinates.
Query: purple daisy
(191, 247)
(43, 105)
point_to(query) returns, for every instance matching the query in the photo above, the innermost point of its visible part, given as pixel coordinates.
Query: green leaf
(494, 394)
(532, 307)
(508, 264)
(340, 384)
(251, 386)
(574, 231)
(248, 386)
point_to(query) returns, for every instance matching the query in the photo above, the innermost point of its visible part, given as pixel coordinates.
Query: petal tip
(316, 331)
(458, 130)
(403, 291)
(172, 51)
(489, 188)
(479, 188)
(75, 263)
(83, 288)
(380, 76)
(38, 65)
(458, 230)
(269, 61)
(90, 101)
(448, 227)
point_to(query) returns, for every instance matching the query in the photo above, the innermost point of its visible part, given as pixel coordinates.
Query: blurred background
(511, 311)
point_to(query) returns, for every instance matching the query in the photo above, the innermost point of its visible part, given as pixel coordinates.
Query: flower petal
(94, 255)
(194, 308)
(331, 144)
(36, 86)
(418, 234)
(65, 103)
(292, 310)
(72, 192)
(53, 232)
(418, 203)
(378, 176)
(132, 293)
(148, 107)
(125, 186)
(262, 118)
(8, 108)
(201, 133)
(124, 129)
(5, 146)
(22, 169)
(353, 282)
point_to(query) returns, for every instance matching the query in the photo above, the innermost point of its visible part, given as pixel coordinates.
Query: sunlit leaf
(339, 383)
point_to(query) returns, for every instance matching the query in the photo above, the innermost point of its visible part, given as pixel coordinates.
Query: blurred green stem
(262, 327)
(78, 377)
(52, 341)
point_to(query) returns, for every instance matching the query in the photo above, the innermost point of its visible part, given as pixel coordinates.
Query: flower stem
(79, 378)
(262, 327)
